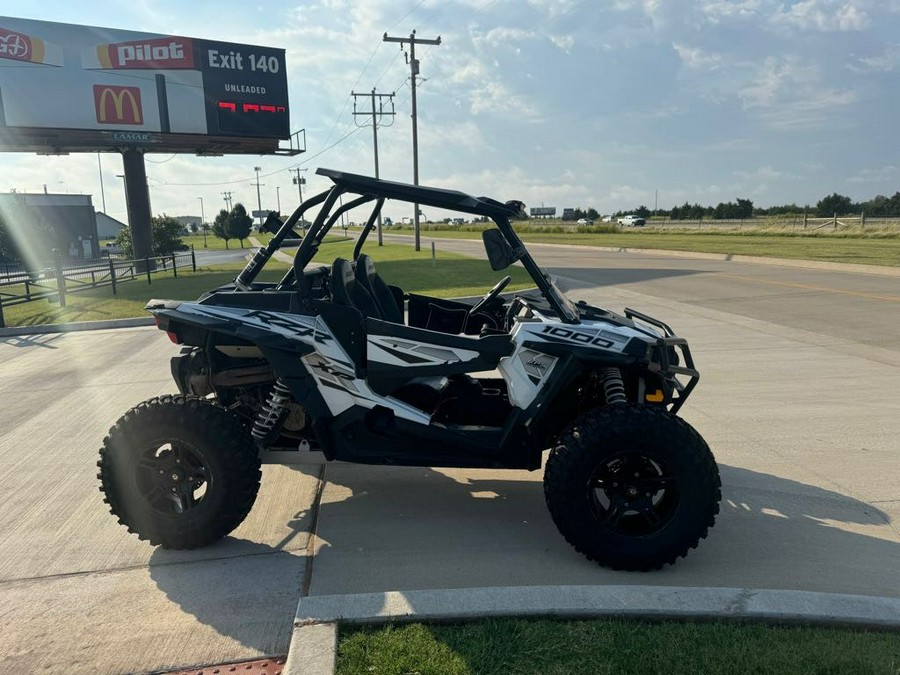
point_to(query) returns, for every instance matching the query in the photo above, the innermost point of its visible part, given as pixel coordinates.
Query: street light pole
(202, 221)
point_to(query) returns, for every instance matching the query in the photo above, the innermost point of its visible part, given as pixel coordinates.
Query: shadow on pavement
(38, 340)
(225, 593)
(405, 528)
(246, 590)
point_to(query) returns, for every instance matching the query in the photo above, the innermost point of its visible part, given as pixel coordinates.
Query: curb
(77, 326)
(313, 642)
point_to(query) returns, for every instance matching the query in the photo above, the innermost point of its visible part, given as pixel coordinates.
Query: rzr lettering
(332, 371)
(287, 324)
(577, 336)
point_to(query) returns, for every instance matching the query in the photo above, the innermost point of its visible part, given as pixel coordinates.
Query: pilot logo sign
(118, 105)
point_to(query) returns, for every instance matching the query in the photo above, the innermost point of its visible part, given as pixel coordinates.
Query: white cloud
(763, 173)
(695, 57)
(564, 42)
(776, 79)
(823, 15)
(882, 174)
(719, 11)
(885, 62)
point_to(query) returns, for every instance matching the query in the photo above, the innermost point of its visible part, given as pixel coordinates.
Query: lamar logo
(118, 105)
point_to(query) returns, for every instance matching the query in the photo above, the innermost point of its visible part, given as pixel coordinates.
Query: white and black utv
(335, 361)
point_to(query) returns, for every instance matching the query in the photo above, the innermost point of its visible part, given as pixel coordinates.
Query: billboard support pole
(137, 198)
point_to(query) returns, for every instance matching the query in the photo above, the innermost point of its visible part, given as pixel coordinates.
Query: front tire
(179, 471)
(632, 487)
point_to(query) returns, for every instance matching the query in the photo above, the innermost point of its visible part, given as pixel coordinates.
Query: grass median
(449, 275)
(620, 647)
(867, 248)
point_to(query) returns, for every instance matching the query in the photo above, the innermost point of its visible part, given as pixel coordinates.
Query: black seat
(347, 292)
(368, 278)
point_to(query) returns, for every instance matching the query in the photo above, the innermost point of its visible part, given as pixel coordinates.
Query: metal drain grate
(273, 666)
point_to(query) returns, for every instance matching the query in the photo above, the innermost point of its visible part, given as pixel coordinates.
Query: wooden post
(28, 289)
(834, 221)
(193, 259)
(862, 220)
(147, 267)
(174, 266)
(60, 282)
(2, 321)
(805, 218)
(112, 275)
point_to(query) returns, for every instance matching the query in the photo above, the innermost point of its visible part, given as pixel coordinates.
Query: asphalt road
(859, 308)
(796, 400)
(217, 256)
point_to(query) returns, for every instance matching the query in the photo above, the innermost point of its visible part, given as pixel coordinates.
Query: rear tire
(632, 487)
(179, 471)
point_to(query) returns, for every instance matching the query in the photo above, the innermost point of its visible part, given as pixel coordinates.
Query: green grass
(866, 248)
(451, 275)
(554, 647)
(213, 242)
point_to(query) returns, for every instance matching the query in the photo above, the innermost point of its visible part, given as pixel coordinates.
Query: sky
(570, 103)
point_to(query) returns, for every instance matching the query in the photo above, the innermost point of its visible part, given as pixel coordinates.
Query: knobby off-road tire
(179, 472)
(632, 487)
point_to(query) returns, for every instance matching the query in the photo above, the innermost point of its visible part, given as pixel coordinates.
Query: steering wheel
(490, 296)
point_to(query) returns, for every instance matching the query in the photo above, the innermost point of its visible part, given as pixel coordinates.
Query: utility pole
(258, 197)
(102, 192)
(299, 181)
(414, 70)
(376, 115)
(227, 196)
(202, 221)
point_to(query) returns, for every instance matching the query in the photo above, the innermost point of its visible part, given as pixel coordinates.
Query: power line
(377, 115)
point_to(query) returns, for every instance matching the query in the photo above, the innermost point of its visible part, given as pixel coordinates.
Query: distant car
(632, 220)
(585, 221)
(607, 219)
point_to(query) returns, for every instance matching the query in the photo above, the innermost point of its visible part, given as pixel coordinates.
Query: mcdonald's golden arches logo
(118, 105)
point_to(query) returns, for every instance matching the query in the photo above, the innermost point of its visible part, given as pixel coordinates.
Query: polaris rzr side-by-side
(334, 362)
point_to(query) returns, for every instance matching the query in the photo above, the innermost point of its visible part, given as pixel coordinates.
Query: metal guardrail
(18, 286)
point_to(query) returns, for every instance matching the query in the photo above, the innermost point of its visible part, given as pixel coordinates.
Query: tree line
(841, 205)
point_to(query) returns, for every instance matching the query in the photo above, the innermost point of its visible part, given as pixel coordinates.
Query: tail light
(173, 336)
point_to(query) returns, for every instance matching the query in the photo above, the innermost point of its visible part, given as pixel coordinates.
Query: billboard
(68, 87)
(538, 211)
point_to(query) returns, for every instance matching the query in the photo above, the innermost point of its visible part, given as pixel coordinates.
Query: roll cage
(368, 189)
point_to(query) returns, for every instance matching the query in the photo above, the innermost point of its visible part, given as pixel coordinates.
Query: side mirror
(499, 252)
